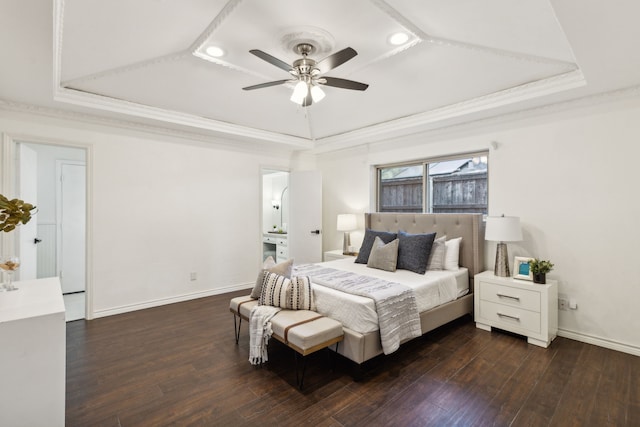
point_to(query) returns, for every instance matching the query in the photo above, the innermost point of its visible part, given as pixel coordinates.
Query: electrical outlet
(563, 304)
(193, 276)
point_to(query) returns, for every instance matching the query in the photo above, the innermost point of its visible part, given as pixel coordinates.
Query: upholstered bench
(241, 308)
(304, 331)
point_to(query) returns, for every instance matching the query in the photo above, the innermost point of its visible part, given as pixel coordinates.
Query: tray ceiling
(152, 53)
(146, 62)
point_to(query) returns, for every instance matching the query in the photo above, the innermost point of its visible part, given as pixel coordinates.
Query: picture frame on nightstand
(521, 268)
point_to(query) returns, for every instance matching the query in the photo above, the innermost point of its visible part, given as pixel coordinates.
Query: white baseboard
(164, 301)
(601, 342)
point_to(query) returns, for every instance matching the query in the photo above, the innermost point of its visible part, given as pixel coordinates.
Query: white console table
(32, 354)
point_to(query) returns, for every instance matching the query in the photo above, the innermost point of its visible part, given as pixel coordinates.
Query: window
(452, 185)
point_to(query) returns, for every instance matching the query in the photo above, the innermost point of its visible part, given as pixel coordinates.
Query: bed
(362, 339)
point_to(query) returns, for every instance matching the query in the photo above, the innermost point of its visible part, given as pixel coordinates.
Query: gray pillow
(413, 251)
(367, 243)
(270, 266)
(436, 256)
(383, 256)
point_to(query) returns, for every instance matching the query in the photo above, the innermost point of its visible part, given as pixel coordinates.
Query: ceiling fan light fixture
(300, 92)
(309, 74)
(398, 38)
(317, 94)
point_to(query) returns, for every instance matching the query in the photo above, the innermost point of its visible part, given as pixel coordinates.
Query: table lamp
(503, 229)
(346, 223)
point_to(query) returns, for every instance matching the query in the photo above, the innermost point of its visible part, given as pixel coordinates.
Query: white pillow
(452, 254)
(292, 293)
(436, 256)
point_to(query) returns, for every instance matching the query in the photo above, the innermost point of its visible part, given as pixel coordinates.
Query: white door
(72, 227)
(28, 191)
(305, 217)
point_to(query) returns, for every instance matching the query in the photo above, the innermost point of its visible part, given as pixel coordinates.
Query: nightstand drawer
(508, 295)
(509, 318)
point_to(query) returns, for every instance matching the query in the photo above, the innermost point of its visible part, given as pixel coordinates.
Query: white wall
(569, 177)
(161, 208)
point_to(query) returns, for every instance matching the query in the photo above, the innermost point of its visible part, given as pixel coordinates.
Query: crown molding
(100, 102)
(591, 101)
(211, 140)
(440, 132)
(405, 125)
(428, 119)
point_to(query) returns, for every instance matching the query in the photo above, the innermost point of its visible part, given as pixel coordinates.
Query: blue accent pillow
(413, 251)
(367, 243)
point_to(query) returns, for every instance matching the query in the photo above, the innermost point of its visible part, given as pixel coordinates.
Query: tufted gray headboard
(468, 226)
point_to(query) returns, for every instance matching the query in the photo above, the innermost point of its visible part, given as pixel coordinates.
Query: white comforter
(358, 313)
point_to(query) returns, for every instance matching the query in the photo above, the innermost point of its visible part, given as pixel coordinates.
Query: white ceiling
(143, 61)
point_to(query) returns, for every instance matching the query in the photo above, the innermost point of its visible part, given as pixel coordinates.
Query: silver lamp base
(346, 243)
(502, 261)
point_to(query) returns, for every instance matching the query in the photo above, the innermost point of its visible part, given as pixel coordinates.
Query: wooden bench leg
(236, 330)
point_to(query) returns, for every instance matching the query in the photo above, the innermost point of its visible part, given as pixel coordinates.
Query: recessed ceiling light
(398, 38)
(215, 51)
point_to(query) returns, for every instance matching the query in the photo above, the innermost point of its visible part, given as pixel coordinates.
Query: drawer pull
(509, 316)
(508, 296)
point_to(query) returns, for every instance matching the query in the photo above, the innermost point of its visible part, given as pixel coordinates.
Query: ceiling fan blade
(343, 83)
(271, 59)
(268, 84)
(335, 60)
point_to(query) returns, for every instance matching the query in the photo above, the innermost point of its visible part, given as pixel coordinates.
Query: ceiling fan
(308, 74)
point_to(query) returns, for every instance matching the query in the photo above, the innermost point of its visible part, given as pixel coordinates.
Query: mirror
(275, 201)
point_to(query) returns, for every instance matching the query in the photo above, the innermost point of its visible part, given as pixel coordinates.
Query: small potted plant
(539, 269)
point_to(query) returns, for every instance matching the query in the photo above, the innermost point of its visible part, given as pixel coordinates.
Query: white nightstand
(337, 254)
(518, 306)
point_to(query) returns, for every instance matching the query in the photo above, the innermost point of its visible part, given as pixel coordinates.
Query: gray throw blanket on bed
(395, 303)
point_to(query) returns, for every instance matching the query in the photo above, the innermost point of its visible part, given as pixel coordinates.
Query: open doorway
(275, 214)
(54, 179)
(291, 215)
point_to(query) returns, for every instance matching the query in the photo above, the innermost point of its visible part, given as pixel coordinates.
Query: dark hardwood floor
(179, 365)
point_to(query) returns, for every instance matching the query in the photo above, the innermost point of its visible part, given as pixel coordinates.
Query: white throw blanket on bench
(398, 316)
(260, 332)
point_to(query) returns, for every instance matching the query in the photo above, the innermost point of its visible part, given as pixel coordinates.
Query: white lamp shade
(317, 94)
(300, 92)
(346, 222)
(503, 229)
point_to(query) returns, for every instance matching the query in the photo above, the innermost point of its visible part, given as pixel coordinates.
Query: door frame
(263, 169)
(8, 186)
